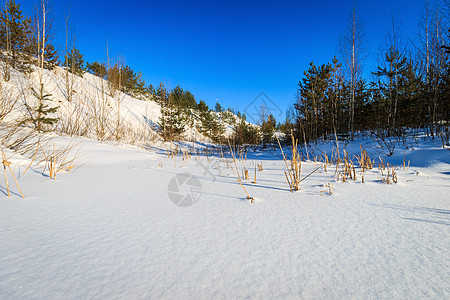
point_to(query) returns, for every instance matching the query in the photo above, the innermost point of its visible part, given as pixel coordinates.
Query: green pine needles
(39, 114)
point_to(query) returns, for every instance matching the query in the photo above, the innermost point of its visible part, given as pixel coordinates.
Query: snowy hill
(90, 110)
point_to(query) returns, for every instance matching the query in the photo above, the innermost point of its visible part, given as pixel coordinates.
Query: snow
(109, 230)
(109, 227)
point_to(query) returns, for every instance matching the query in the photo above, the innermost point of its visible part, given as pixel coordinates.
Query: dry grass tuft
(329, 190)
(7, 164)
(391, 176)
(348, 168)
(56, 160)
(260, 167)
(294, 169)
(237, 172)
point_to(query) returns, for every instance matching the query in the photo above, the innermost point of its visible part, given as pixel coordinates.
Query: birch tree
(352, 49)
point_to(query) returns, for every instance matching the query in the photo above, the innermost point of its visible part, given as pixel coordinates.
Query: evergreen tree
(218, 108)
(239, 133)
(212, 127)
(313, 104)
(267, 129)
(325, 101)
(251, 134)
(410, 111)
(209, 125)
(50, 53)
(97, 69)
(228, 117)
(189, 100)
(245, 133)
(445, 105)
(177, 96)
(14, 29)
(140, 88)
(34, 43)
(75, 62)
(172, 121)
(390, 84)
(206, 122)
(129, 80)
(183, 99)
(150, 92)
(50, 56)
(361, 105)
(39, 114)
(202, 107)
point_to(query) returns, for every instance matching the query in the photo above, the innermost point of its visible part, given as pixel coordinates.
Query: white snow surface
(108, 230)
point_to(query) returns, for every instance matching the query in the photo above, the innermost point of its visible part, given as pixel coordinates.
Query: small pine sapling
(39, 114)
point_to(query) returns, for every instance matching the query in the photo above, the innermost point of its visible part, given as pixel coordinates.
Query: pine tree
(172, 121)
(206, 123)
(361, 105)
(410, 87)
(50, 56)
(183, 99)
(97, 69)
(267, 130)
(239, 132)
(218, 129)
(445, 102)
(251, 134)
(209, 125)
(245, 133)
(140, 88)
(202, 107)
(314, 104)
(39, 114)
(75, 62)
(150, 92)
(229, 116)
(218, 108)
(14, 30)
(50, 53)
(390, 84)
(129, 80)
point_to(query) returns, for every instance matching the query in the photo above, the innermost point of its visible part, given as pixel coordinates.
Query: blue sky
(226, 50)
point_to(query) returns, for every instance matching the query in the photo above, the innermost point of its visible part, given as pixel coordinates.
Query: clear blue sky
(226, 50)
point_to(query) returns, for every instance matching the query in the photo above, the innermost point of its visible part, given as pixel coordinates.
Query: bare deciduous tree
(352, 48)
(6, 63)
(395, 51)
(69, 44)
(432, 57)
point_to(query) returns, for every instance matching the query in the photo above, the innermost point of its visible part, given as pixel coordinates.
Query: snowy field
(108, 230)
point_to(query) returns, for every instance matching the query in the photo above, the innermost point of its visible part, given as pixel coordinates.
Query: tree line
(408, 89)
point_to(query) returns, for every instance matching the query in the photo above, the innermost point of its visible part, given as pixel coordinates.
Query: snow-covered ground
(110, 230)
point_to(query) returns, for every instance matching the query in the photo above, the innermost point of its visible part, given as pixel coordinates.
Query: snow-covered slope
(91, 111)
